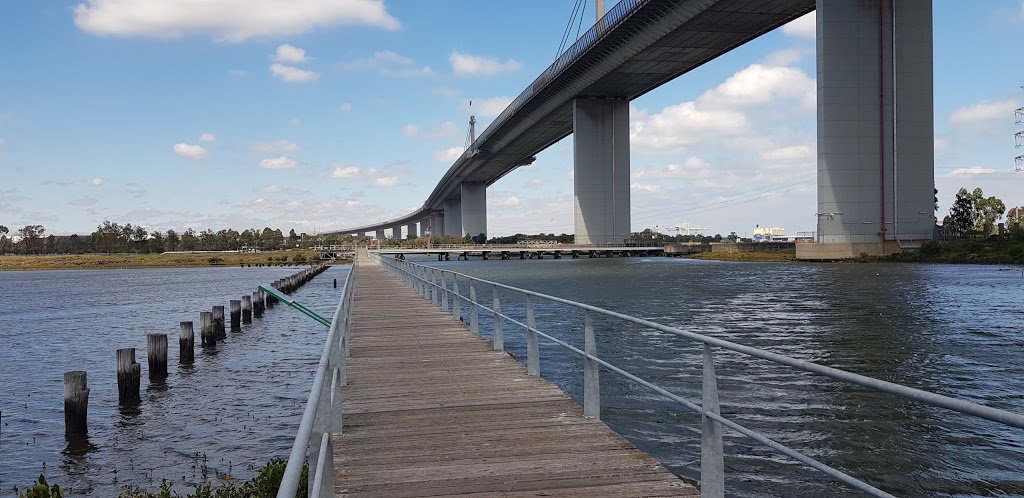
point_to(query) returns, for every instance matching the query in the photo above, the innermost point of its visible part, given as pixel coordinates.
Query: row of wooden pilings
(212, 327)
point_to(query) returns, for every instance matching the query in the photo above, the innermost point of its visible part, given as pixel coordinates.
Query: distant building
(769, 234)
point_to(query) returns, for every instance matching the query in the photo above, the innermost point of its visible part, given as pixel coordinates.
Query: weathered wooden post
(76, 403)
(129, 375)
(206, 331)
(186, 344)
(236, 315)
(257, 304)
(218, 322)
(246, 309)
(156, 354)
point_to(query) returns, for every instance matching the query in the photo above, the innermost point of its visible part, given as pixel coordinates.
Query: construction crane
(687, 228)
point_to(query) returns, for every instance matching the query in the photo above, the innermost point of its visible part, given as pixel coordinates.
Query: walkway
(431, 409)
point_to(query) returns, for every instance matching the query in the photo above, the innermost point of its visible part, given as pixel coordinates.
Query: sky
(319, 115)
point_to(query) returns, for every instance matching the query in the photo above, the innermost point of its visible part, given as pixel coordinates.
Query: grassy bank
(165, 260)
(744, 256)
(994, 250)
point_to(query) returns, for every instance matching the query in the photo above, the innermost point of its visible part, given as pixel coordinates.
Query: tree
(31, 237)
(107, 237)
(189, 240)
(293, 238)
(4, 241)
(961, 214)
(171, 241)
(988, 211)
(1015, 216)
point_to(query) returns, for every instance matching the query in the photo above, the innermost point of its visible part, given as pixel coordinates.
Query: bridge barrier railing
(520, 247)
(443, 287)
(322, 415)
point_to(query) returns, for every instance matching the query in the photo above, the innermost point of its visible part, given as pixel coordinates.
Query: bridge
(875, 118)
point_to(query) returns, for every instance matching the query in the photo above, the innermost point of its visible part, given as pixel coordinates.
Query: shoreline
(155, 260)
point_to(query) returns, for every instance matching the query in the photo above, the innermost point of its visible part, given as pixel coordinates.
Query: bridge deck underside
(709, 34)
(430, 410)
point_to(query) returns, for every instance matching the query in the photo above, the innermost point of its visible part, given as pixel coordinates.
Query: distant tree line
(974, 215)
(112, 237)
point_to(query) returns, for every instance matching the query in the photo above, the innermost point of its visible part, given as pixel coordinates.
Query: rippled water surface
(954, 330)
(236, 407)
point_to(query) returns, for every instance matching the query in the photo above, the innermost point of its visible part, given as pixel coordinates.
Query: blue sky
(320, 115)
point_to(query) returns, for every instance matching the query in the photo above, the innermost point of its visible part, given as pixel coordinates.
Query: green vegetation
(264, 485)
(170, 260)
(995, 249)
(760, 256)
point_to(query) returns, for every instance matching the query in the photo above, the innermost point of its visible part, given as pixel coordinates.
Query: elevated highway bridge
(870, 199)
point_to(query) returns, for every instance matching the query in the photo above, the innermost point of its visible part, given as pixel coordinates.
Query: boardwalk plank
(432, 410)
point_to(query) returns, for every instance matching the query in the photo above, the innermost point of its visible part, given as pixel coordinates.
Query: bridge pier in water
(601, 170)
(876, 132)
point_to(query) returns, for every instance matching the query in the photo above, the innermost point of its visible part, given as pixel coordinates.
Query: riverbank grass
(161, 260)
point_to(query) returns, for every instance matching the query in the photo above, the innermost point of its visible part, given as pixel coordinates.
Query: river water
(236, 407)
(954, 330)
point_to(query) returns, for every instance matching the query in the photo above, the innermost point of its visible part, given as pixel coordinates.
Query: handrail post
(474, 313)
(444, 292)
(532, 349)
(712, 465)
(434, 296)
(456, 311)
(591, 380)
(499, 335)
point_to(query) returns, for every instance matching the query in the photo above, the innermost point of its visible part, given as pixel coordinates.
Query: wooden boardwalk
(432, 410)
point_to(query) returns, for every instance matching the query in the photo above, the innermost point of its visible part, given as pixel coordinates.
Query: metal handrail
(433, 284)
(322, 415)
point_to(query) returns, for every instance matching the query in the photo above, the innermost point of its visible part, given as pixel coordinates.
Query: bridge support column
(601, 170)
(875, 126)
(453, 217)
(435, 224)
(396, 233)
(410, 231)
(380, 235)
(474, 209)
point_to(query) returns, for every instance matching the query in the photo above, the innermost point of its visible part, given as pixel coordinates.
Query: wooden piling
(186, 344)
(129, 376)
(236, 315)
(218, 322)
(257, 304)
(156, 355)
(76, 403)
(206, 330)
(246, 309)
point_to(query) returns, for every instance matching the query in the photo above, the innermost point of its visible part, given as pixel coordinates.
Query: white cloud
(270, 189)
(3, 142)
(679, 126)
(985, 114)
(295, 121)
(386, 181)
(279, 163)
(410, 130)
(535, 182)
(278, 146)
(190, 151)
(344, 171)
(207, 137)
(972, 171)
(445, 91)
(475, 65)
(760, 84)
(941, 144)
(643, 188)
(388, 63)
(96, 182)
(449, 155)
(507, 201)
(345, 107)
(238, 73)
(291, 74)
(226, 20)
(791, 153)
(290, 54)
(487, 107)
(786, 57)
(804, 26)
